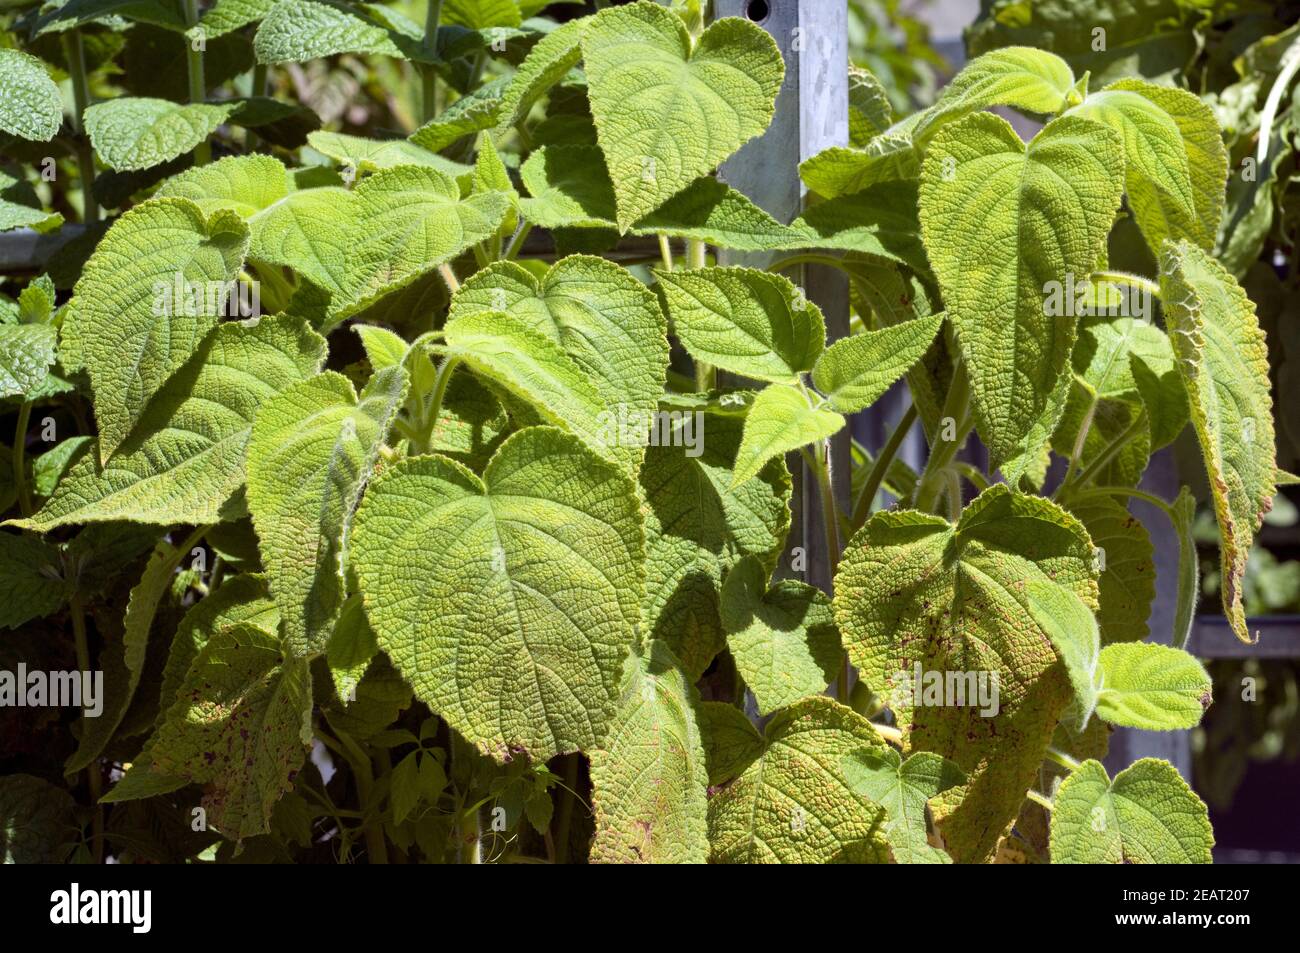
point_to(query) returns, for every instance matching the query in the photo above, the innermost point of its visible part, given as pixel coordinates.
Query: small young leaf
(854, 372)
(782, 419)
(1152, 687)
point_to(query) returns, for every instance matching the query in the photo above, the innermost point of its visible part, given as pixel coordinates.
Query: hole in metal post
(757, 10)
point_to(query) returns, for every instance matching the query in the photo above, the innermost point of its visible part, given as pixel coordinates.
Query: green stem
(821, 467)
(1080, 439)
(198, 89)
(880, 466)
(94, 780)
(428, 75)
(517, 243)
(666, 252)
(1096, 491)
(1126, 278)
(1063, 759)
(376, 845)
(1038, 799)
(956, 407)
(697, 253)
(1107, 454)
(257, 87)
(74, 52)
(445, 370)
(564, 822)
(19, 458)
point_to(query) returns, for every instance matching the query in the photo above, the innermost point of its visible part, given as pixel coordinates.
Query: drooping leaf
(854, 372)
(745, 321)
(313, 447)
(1152, 687)
(1146, 815)
(1223, 359)
(914, 590)
(648, 776)
(132, 133)
(30, 105)
(509, 602)
(666, 110)
(783, 638)
(122, 325)
(902, 788)
(783, 418)
(1072, 628)
(544, 66)
(184, 461)
(788, 801)
(371, 155)
(999, 227)
(240, 726)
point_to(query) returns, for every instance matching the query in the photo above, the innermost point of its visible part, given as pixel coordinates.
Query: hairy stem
(428, 75)
(666, 253)
(956, 407)
(1064, 760)
(19, 458)
(517, 242)
(880, 466)
(94, 779)
(1126, 278)
(1076, 454)
(74, 52)
(445, 370)
(1107, 454)
(198, 89)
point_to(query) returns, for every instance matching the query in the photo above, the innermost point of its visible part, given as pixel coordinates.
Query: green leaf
(184, 462)
(240, 727)
(783, 639)
(545, 65)
(1028, 79)
(782, 419)
(790, 802)
(20, 207)
(37, 821)
(31, 580)
(870, 111)
(405, 791)
(112, 326)
(999, 227)
(1127, 584)
(698, 527)
(313, 447)
(837, 171)
(406, 222)
(226, 16)
(509, 602)
(522, 359)
(1070, 625)
(132, 133)
(608, 323)
(668, 111)
(75, 13)
(1223, 359)
(30, 104)
(712, 212)
(246, 185)
(371, 155)
(1157, 177)
(26, 353)
(1152, 687)
(296, 31)
(914, 590)
(350, 649)
(569, 188)
(880, 221)
(854, 372)
(903, 788)
(745, 321)
(648, 776)
(1182, 514)
(466, 116)
(1147, 815)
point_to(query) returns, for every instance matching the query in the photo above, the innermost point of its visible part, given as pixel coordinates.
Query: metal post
(812, 113)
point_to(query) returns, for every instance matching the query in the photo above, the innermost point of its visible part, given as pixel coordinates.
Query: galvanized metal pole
(812, 113)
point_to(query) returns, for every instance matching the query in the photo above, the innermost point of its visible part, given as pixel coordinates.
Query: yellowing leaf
(1223, 360)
